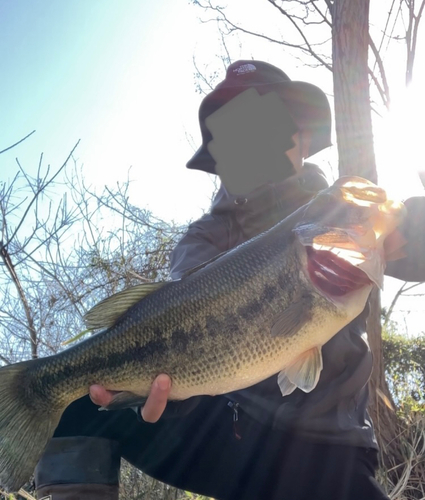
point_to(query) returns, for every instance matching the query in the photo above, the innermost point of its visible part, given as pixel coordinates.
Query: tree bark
(381, 405)
(350, 41)
(350, 38)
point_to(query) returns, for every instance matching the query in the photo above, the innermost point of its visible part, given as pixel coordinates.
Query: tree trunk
(356, 157)
(350, 41)
(381, 405)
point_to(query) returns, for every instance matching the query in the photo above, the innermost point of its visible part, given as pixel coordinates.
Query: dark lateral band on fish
(264, 308)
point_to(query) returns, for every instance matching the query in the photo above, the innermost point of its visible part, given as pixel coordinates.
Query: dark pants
(201, 452)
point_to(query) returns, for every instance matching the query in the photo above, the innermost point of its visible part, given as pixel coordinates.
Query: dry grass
(406, 480)
(21, 494)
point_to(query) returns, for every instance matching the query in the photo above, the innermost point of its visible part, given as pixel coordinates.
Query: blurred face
(255, 142)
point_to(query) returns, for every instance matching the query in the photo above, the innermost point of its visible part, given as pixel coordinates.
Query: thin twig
(16, 143)
(27, 309)
(39, 191)
(5, 360)
(378, 61)
(400, 291)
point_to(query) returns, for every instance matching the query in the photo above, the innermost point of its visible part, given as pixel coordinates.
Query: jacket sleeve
(411, 267)
(206, 238)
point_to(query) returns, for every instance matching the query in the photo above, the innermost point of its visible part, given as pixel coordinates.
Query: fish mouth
(333, 275)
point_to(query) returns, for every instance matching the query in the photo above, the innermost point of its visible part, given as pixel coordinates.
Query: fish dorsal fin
(106, 313)
(289, 321)
(304, 373)
(194, 269)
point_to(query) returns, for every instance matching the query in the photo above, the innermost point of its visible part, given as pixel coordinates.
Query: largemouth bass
(264, 308)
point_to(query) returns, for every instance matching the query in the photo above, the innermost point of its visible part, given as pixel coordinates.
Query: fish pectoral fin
(288, 322)
(285, 385)
(124, 399)
(106, 313)
(305, 372)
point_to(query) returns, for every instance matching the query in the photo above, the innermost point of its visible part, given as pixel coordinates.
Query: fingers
(154, 406)
(157, 400)
(99, 395)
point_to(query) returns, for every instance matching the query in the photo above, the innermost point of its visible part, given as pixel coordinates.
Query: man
(253, 444)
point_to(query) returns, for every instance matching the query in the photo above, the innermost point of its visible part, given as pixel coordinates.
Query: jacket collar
(267, 205)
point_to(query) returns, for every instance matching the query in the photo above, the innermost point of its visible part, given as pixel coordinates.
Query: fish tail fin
(25, 429)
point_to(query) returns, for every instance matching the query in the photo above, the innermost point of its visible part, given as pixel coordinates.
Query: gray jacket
(336, 410)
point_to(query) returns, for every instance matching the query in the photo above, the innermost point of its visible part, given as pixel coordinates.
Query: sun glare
(398, 145)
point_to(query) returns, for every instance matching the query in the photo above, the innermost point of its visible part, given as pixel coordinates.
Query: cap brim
(202, 160)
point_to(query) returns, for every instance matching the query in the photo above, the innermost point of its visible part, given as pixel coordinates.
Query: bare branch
(200, 75)
(16, 143)
(385, 91)
(413, 36)
(309, 48)
(379, 88)
(322, 15)
(40, 189)
(5, 360)
(384, 32)
(403, 289)
(28, 313)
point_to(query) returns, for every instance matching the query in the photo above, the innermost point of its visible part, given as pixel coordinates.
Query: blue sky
(120, 77)
(117, 75)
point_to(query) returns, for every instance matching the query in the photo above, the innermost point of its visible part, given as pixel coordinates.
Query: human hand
(154, 406)
(412, 266)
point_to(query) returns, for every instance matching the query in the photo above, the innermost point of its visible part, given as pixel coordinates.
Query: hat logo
(244, 68)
